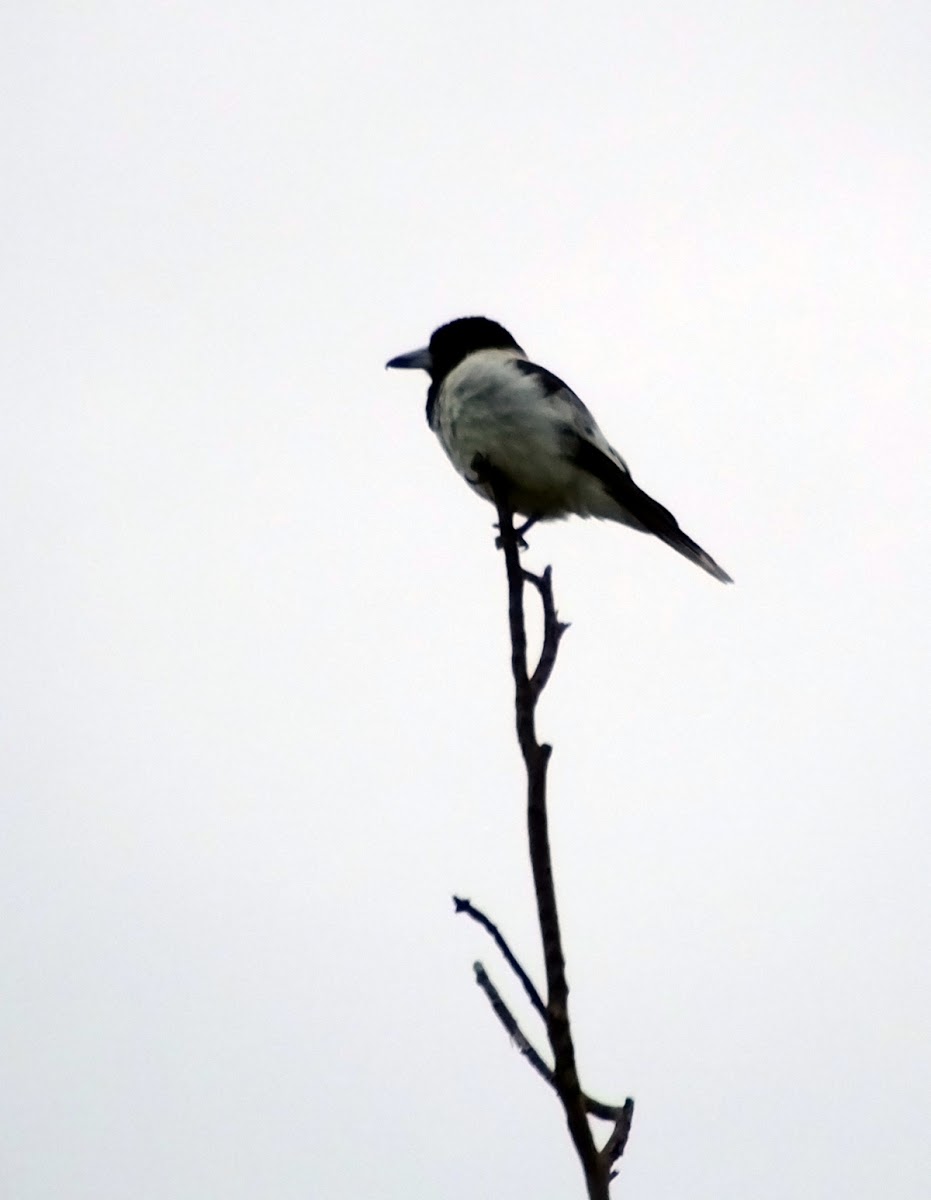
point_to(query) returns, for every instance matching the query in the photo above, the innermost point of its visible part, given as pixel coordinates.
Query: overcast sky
(255, 702)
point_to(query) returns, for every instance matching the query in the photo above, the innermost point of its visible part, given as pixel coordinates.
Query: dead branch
(563, 1076)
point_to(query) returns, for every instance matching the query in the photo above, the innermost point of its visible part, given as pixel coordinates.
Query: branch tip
(510, 958)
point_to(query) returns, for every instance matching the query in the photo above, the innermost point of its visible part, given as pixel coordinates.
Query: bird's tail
(692, 551)
(639, 509)
(650, 515)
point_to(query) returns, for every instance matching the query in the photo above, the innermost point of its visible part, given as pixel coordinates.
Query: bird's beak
(416, 360)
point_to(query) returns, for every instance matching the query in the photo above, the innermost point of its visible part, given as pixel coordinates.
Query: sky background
(255, 703)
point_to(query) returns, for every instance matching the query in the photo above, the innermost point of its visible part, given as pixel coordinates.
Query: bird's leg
(486, 473)
(499, 540)
(519, 533)
(528, 524)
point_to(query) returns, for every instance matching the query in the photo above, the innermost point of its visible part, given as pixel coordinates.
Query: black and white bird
(489, 404)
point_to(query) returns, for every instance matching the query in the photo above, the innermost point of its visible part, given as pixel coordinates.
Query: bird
(500, 415)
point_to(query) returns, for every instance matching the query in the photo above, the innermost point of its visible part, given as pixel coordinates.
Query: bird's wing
(583, 444)
(618, 483)
(588, 448)
(643, 508)
(571, 411)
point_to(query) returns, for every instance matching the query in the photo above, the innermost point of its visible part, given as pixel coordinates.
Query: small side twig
(507, 1019)
(616, 1143)
(553, 629)
(595, 1108)
(466, 906)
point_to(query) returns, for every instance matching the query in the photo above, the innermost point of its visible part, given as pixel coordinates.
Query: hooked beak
(415, 360)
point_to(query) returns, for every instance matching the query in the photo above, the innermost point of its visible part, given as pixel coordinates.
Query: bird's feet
(519, 532)
(521, 543)
(486, 473)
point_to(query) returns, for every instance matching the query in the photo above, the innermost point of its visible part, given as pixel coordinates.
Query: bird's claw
(522, 543)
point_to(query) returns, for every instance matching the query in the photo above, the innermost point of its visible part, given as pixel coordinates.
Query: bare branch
(563, 1077)
(504, 1015)
(614, 1146)
(553, 630)
(536, 757)
(466, 906)
(596, 1108)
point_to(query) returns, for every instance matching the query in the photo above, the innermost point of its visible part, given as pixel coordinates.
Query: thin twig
(507, 1019)
(553, 629)
(467, 907)
(596, 1108)
(614, 1146)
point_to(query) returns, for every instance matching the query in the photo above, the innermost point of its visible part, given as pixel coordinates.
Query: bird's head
(451, 343)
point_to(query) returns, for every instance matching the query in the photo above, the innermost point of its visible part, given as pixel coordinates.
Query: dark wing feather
(643, 508)
(552, 385)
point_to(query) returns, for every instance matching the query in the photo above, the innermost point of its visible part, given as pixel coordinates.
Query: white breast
(487, 407)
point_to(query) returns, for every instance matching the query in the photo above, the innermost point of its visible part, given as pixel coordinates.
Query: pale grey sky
(254, 691)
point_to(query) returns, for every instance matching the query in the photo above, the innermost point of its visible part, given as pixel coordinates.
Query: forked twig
(563, 1076)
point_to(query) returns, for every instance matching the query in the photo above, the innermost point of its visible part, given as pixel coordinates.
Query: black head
(451, 343)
